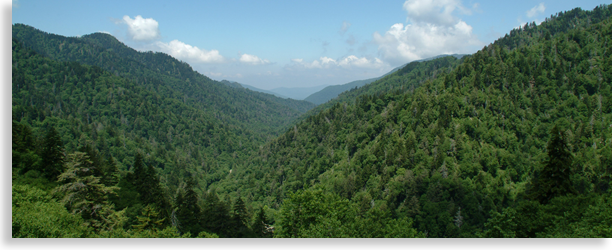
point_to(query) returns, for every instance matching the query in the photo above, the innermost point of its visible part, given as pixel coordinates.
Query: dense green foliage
(512, 141)
(449, 143)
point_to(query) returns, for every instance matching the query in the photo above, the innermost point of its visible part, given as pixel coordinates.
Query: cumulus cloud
(253, 60)
(142, 29)
(535, 10)
(348, 62)
(433, 29)
(190, 53)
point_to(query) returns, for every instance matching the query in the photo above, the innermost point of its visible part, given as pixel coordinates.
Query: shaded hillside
(299, 105)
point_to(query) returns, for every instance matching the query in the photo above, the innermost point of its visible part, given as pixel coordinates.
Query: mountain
(263, 90)
(301, 106)
(297, 93)
(331, 92)
(512, 141)
(257, 111)
(457, 147)
(115, 104)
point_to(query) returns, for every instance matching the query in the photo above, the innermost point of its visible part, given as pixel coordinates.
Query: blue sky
(270, 44)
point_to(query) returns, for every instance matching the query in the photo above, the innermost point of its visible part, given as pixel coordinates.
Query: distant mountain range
(331, 92)
(241, 85)
(323, 93)
(297, 93)
(287, 93)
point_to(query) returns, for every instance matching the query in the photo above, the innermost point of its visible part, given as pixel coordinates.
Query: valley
(514, 140)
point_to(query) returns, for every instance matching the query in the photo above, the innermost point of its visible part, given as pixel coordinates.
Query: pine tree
(554, 179)
(52, 155)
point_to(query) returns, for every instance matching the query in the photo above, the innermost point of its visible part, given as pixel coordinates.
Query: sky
(272, 44)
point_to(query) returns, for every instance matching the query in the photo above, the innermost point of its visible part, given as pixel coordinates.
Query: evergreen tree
(52, 155)
(216, 216)
(23, 148)
(94, 157)
(239, 220)
(148, 186)
(150, 220)
(84, 194)
(111, 173)
(13, 132)
(554, 179)
(188, 213)
(261, 227)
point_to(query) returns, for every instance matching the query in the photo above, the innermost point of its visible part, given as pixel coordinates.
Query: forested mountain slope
(331, 92)
(247, 109)
(461, 147)
(512, 141)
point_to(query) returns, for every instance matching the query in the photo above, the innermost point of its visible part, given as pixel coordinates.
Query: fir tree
(261, 227)
(111, 173)
(240, 219)
(94, 157)
(52, 155)
(188, 213)
(84, 194)
(216, 216)
(148, 186)
(150, 219)
(554, 179)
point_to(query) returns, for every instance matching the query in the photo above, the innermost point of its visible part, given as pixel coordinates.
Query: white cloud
(434, 11)
(251, 59)
(348, 62)
(323, 62)
(353, 61)
(142, 29)
(190, 53)
(433, 30)
(345, 26)
(535, 10)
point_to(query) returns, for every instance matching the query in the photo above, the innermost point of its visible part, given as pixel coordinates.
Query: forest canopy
(514, 140)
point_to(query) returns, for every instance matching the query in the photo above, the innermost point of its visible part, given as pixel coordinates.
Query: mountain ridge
(333, 91)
